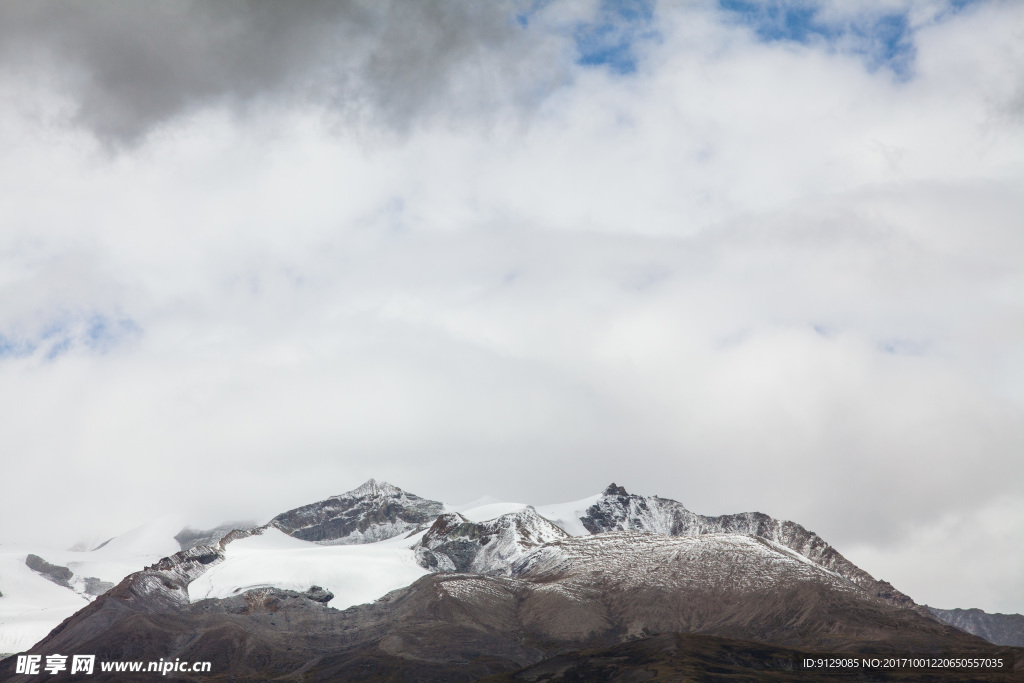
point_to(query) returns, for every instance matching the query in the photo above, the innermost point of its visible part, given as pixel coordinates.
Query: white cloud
(749, 276)
(957, 558)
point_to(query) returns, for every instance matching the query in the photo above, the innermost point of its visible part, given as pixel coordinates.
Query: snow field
(356, 574)
(567, 515)
(32, 605)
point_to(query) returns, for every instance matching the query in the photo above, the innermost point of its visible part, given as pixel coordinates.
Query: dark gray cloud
(129, 67)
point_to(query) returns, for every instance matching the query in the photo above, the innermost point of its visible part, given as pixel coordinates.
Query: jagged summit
(372, 512)
(372, 488)
(617, 510)
(455, 544)
(614, 490)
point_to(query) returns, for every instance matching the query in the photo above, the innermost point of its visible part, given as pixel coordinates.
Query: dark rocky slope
(693, 657)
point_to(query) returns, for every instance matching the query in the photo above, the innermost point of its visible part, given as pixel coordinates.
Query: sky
(748, 255)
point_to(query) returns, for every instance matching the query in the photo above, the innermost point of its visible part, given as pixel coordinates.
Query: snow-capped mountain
(617, 510)
(372, 512)
(612, 563)
(564, 595)
(455, 544)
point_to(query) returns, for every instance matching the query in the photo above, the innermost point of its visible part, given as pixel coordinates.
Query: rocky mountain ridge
(377, 511)
(649, 566)
(565, 595)
(372, 512)
(454, 544)
(1000, 629)
(618, 510)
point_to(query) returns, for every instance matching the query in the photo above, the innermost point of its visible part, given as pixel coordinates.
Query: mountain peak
(614, 490)
(372, 487)
(372, 512)
(454, 544)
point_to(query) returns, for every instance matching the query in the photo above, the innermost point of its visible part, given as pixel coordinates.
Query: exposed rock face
(373, 512)
(164, 585)
(618, 510)
(571, 594)
(64, 577)
(1001, 629)
(454, 544)
(57, 574)
(319, 594)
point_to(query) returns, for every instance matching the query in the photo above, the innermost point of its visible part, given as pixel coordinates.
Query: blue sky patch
(885, 40)
(95, 333)
(13, 347)
(59, 348)
(103, 333)
(609, 41)
(957, 5)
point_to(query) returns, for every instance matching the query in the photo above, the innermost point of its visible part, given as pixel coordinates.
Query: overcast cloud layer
(741, 254)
